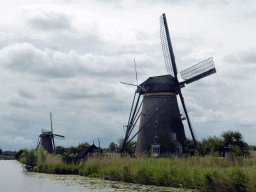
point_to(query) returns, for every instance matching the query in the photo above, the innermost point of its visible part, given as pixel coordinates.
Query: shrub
(44, 168)
(127, 174)
(36, 169)
(29, 159)
(91, 171)
(41, 154)
(18, 154)
(143, 175)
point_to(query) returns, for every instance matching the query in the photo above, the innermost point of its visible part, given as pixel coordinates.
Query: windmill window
(174, 136)
(156, 139)
(156, 123)
(179, 149)
(155, 150)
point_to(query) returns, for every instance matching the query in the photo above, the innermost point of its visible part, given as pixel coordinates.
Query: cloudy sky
(68, 57)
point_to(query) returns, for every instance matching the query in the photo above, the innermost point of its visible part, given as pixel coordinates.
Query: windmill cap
(164, 83)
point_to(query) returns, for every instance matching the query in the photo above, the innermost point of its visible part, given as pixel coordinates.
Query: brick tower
(160, 112)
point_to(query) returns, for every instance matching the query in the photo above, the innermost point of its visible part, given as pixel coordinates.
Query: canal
(13, 178)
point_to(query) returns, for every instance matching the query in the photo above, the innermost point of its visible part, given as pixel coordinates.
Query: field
(202, 173)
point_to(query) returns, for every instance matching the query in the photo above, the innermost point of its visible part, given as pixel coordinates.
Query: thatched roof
(164, 83)
(86, 149)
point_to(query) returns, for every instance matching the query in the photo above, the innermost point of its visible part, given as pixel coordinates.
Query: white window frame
(155, 150)
(180, 149)
(174, 136)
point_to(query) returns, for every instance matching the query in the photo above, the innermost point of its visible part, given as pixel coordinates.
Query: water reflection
(12, 178)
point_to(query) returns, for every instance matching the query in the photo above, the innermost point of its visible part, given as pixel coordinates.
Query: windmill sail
(198, 71)
(171, 65)
(167, 47)
(188, 120)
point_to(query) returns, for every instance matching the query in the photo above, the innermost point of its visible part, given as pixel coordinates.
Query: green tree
(252, 147)
(128, 148)
(66, 155)
(82, 145)
(211, 145)
(232, 138)
(235, 140)
(41, 154)
(59, 150)
(190, 143)
(191, 146)
(29, 159)
(72, 150)
(120, 142)
(112, 146)
(9, 153)
(17, 155)
(1, 151)
(166, 143)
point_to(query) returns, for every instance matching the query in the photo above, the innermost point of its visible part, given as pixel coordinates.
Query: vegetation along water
(206, 171)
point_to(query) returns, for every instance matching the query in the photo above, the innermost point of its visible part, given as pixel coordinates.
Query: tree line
(215, 145)
(7, 153)
(210, 145)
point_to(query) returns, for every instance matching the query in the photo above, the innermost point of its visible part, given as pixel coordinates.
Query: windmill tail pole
(131, 108)
(129, 126)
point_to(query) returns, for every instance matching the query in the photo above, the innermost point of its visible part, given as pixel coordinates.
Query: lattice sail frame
(164, 35)
(198, 69)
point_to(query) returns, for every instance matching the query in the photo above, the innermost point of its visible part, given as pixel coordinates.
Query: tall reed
(203, 173)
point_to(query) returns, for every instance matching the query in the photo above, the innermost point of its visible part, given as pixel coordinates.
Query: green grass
(202, 173)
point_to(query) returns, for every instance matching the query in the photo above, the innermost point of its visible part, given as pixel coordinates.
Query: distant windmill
(160, 111)
(46, 138)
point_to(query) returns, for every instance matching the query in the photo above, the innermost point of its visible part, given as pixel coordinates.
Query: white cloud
(15, 101)
(16, 140)
(69, 57)
(46, 21)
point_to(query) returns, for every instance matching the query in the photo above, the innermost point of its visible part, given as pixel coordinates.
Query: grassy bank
(203, 173)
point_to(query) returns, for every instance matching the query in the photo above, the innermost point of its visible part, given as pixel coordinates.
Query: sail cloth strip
(166, 46)
(198, 69)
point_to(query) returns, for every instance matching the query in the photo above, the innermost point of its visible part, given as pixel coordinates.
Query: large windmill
(160, 112)
(46, 138)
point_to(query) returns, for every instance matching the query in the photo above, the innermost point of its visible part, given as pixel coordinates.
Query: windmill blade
(58, 135)
(129, 84)
(51, 120)
(167, 48)
(188, 120)
(38, 143)
(198, 71)
(53, 144)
